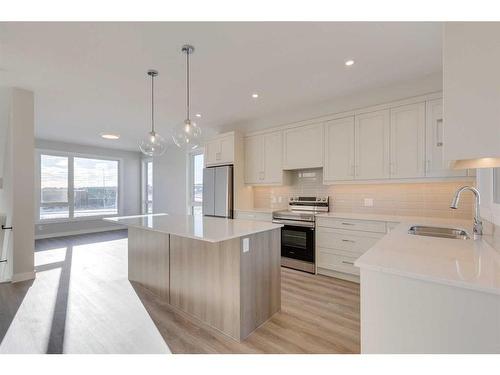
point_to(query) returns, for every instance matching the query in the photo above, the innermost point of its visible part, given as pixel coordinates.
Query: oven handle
(297, 223)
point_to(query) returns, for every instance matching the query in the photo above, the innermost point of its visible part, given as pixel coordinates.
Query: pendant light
(187, 134)
(153, 144)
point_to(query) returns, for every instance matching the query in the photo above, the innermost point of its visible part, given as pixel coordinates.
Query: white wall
(129, 193)
(170, 181)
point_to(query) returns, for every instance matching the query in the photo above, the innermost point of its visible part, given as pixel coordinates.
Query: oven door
(297, 242)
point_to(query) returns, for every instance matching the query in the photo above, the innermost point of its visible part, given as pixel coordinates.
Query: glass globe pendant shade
(187, 135)
(153, 144)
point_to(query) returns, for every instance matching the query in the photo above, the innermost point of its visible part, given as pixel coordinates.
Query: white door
(339, 150)
(372, 135)
(408, 141)
(273, 157)
(303, 147)
(254, 150)
(435, 165)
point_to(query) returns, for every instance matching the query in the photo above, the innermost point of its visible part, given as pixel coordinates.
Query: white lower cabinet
(339, 242)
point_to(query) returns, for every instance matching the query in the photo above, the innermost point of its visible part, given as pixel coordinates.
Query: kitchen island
(223, 272)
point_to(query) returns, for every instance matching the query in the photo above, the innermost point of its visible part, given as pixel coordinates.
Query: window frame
(71, 195)
(190, 201)
(144, 184)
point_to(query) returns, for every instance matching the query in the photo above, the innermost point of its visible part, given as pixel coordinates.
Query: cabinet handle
(344, 240)
(346, 262)
(343, 223)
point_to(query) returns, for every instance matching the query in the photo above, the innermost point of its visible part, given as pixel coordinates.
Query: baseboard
(17, 277)
(77, 232)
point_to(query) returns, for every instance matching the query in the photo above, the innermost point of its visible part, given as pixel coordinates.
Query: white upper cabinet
(273, 157)
(220, 150)
(372, 135)
(339, 150)
(407, 141)
(436, 165)
(471, 82)
(263, 158)
(254, 160)
(303, 147)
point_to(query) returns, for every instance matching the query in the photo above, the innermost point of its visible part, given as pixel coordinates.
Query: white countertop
(470, 264)
(259, 210)
(210, 229)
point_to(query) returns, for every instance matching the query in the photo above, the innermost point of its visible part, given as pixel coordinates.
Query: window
(147, 186)
(75, 187)
(196, 183)
(95, 187)
(54, 199)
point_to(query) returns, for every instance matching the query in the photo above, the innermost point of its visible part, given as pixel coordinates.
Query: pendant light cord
(152, 103)
(187, 83)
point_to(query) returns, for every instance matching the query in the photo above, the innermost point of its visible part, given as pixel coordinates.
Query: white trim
(354, 112)
(77, 232)
(190, 177)
(144, 182)
(402, 180)
(18, 277)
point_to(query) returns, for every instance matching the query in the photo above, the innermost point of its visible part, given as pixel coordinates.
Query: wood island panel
(260, 280)
(204, 281)
(148, 260)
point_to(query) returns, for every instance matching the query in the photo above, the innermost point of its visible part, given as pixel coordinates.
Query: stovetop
(303, 208)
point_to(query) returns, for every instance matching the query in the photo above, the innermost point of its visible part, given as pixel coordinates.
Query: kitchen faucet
(478, 224)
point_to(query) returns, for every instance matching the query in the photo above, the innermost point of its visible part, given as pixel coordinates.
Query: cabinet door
(303, 147)
(436, 165)
(254, 150)
(339, 150)
(372, 135)
(407, 141)
(226, 155)
(211, 151)
(273, 157)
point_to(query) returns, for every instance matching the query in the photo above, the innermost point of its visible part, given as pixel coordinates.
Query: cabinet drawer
(337, 262)
(351, 241)
(361, 225)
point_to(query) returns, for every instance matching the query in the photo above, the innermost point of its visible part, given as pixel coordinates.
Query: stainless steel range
(297, 236)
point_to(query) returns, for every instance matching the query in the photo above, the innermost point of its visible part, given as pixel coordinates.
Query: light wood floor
(82, 302)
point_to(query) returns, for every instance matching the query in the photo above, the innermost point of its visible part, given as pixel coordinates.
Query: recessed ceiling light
(255, 95)
(198, 115)
(111, 136)
(349, 62)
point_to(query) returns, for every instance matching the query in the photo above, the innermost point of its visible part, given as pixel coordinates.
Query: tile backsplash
(409, 199)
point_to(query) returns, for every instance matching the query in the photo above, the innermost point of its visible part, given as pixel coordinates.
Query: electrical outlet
(368, 202)
(246, 245)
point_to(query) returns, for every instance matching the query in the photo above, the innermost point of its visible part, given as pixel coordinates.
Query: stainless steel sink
(454, 233)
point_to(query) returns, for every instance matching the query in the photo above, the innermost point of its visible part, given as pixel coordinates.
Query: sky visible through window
(95, 187)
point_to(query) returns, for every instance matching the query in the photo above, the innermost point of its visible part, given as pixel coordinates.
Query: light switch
(246, 245)
(368, 202)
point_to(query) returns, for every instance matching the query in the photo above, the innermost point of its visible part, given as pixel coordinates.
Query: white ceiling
(91, 77)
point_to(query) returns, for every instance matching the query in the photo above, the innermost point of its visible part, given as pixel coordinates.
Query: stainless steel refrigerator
(218, 191)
